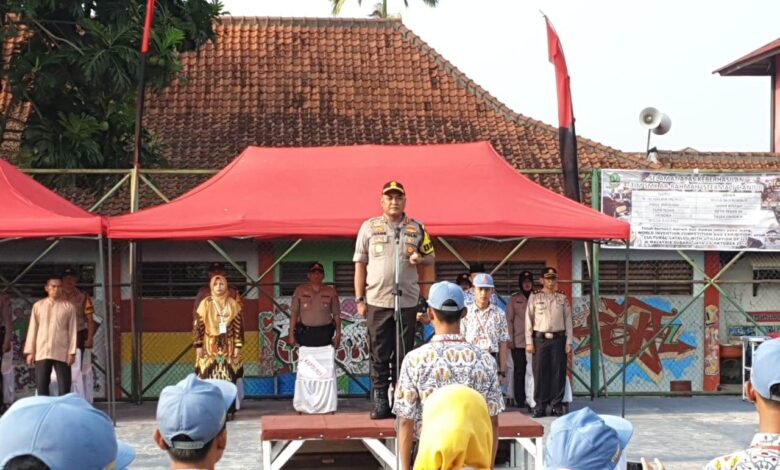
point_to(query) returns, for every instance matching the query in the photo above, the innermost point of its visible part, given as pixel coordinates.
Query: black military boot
(381, 405)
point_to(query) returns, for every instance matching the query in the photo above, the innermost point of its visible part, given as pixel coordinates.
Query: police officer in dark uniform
(548, 335)
(375, 255)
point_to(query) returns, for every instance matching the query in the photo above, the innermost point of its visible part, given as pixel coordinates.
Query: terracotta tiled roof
(758, 62)
(720, 160)
(319, 82)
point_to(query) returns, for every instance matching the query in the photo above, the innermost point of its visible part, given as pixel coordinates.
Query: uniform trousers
(43, 376)
(549, 366)
(2, 341)
(518, 375)
(381, 342)
(81, 339)
(314, 336)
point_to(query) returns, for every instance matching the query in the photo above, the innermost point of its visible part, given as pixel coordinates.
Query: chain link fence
(674, 324)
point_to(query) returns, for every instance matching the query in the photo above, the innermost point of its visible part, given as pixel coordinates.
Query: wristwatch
(360, 299)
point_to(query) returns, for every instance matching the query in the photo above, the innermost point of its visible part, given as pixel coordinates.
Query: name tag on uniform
(483, 343)
(222, 328)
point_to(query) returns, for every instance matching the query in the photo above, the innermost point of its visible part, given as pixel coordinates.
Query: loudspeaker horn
(654, 120)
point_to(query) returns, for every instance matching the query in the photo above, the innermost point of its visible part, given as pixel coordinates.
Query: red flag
(147, 26)
(566, 136)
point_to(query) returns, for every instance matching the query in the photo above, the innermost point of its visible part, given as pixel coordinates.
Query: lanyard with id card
(222, 317)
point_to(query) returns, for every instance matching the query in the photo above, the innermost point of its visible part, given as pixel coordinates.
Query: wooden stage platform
(283, 435)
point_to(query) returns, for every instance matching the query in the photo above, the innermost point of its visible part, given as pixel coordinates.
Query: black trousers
(43, 376)
(518, 374)
(81, 339)
(2, 340)
(381, 342)
(314, 336)
(549, 366)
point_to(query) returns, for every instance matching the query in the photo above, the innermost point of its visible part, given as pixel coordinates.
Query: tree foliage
(76, 64)
(380, 8)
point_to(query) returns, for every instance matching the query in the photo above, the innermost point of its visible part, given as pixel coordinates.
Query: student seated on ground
(191, 419)
(763, 389)
(457, 432)
(583, 440)
(60, 433)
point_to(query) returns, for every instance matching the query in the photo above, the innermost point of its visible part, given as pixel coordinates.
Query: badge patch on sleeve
(426, 245)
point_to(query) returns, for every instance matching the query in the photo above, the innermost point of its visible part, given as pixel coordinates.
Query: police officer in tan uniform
(85, 309)
(515, 318)
(315, 312)
(374, 281)
(548, 336)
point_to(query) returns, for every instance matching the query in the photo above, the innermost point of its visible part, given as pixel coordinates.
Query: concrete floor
(684, 433)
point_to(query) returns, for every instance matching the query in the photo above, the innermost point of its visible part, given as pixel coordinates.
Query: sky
(623, 56)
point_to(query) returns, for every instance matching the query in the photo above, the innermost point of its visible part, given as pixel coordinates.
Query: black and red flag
(567, 138)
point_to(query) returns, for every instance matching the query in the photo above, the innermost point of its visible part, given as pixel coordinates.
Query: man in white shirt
(763, 389)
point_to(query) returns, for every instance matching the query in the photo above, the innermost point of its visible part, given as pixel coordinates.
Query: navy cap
(447, 293)
(391, 186)
(550, 273)
(587, 441)
(476, 268)
(316, 267)
(765, 370)
(217, 267)
(463, 278)
(63, 432)
(69, 271)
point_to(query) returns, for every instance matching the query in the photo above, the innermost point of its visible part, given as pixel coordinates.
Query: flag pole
(135, 301)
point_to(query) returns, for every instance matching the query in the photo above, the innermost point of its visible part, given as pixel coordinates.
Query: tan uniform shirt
(52, 331)
(205, 291)
(84, 306)
(548, 313)
(316, 308)
(515, 318)
(376, 247)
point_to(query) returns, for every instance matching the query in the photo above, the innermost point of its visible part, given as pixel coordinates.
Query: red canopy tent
(457, 190)
(29, 209)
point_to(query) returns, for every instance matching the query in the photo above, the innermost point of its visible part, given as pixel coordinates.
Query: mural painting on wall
(671, 352)
(24, 375)
(711, 341)
(277, 357)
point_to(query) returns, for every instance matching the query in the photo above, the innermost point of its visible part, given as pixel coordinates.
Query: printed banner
(691, 211)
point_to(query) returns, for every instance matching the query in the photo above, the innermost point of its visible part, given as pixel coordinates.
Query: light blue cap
(63, 432)
(443, 291)
(483, 280)
(195, 408)
(583, 440)
(765, 371)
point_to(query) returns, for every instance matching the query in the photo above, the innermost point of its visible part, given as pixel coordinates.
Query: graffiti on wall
(278, 357)
(672, 348)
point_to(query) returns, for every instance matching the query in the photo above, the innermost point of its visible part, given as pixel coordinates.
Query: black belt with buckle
(553, 335)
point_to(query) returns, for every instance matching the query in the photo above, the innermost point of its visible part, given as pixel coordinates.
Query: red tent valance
(459, 190)
(29, 209)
